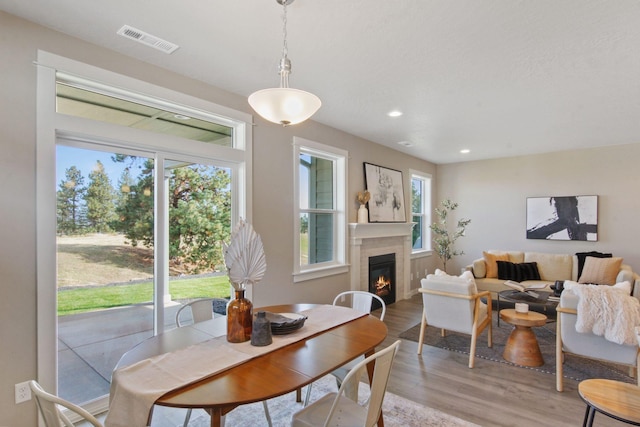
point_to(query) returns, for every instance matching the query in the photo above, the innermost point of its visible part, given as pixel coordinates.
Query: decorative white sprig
(244, 256)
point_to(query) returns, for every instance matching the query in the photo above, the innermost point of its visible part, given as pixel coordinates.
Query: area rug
(398, 412)
(575, 368)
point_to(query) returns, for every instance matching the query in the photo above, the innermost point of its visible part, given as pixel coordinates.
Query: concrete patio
(90, 345)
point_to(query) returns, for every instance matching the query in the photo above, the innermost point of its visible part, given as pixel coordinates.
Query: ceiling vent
(148, 39)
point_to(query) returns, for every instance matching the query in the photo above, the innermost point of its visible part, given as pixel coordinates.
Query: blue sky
(85, 160)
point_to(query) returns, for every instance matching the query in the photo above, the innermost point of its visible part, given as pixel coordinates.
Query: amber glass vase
(239, 318)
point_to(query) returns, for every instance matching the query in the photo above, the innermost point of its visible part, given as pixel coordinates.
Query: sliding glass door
(130, 249)
(137, 185)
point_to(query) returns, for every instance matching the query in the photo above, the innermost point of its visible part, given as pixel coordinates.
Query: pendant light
(284, 105)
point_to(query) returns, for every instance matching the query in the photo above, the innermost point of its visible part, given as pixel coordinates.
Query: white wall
(493, 195)
(272, 208)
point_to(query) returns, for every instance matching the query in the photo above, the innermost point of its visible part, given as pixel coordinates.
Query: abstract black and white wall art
(387, 194)
(563, 218)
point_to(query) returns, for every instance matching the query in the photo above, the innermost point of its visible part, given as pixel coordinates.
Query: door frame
(50, 126)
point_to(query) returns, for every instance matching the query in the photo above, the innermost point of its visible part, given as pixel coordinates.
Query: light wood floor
(491, 394)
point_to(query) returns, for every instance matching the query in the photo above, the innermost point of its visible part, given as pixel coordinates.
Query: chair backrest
(449, 304)
(48, 405)
(383, 363)
(201, 310)
(361, 301)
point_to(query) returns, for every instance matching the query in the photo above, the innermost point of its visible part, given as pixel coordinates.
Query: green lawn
(72, 301)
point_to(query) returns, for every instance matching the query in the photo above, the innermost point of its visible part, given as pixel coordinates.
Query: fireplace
(382, 278)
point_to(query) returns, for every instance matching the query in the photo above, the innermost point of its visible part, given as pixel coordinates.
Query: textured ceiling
(497, 77)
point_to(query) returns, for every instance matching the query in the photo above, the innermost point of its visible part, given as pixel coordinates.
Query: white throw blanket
(609, 312)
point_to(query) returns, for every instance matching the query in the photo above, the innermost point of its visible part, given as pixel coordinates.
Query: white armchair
(587, 344)
(453, 303)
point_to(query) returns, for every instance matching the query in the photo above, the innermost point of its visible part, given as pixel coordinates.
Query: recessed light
(394, 113)
(181, 117)
(406, 143)
(465, 151)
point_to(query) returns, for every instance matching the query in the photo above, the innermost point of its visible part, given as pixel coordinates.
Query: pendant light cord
(285, 64)
(285, 49)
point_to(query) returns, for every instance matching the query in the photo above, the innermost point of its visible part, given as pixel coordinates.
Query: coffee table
(544, 299)
(522, 346)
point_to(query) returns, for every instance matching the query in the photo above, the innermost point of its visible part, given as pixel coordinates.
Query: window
(320, 226)
(73, 97)
(131, 143)
(420, 211)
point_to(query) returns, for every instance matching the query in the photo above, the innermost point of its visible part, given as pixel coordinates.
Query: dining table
(334, 336)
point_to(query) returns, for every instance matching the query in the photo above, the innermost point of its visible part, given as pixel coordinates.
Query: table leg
(498, 308)
(586, 416)
(522, 347)
(592, 413)
(217, 419)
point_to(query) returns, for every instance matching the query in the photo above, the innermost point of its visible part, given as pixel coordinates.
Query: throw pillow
(491, 259)
(518, 272)
(582, 256)
(600, 271)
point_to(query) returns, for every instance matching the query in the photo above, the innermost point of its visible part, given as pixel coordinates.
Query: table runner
(136, 387)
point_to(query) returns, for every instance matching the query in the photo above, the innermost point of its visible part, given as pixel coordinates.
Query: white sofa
(551, 267)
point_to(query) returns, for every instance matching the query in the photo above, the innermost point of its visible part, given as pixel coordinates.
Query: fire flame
(382, 283)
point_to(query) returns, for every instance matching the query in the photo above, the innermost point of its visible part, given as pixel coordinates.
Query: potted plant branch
(444, 239)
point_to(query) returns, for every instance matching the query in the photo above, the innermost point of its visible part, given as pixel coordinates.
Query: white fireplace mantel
(375, 230)
(372, 239)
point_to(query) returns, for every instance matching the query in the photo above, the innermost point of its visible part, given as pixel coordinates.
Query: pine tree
(134, 210)
(100, 200)
(199, 213)
(199, 216)
(70, 207)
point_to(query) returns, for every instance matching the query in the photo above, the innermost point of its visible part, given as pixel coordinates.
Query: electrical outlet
(23, 392)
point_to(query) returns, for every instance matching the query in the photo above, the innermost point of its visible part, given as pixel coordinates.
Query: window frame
(338, 264)
(53, 127)
(427, 182)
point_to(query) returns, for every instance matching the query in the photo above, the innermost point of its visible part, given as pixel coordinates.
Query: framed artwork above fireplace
(387, 194)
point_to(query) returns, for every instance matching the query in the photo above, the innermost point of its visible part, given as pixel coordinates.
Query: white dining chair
(49, 406)
(336, 409)
(201, 310)
(363, 302)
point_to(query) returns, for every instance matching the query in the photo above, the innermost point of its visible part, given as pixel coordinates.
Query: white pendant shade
(284, 105)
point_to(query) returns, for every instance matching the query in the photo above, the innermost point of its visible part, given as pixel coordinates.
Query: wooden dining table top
(269, 375)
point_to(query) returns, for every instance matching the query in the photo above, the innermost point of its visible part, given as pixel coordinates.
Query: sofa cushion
(582, 256)
(600, 271)
(479, 268)
(490, 260)
(518, 272)
(551, 266)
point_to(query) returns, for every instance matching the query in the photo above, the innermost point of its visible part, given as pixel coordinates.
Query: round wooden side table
(615, 399)
(522, 346)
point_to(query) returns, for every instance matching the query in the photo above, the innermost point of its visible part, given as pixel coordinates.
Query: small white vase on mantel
(363, 215)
